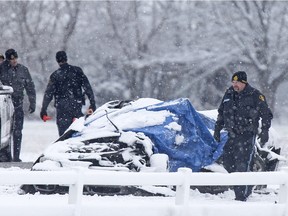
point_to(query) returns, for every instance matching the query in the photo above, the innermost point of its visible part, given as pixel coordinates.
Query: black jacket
(67, 84)
(19, 79)
(240, 112)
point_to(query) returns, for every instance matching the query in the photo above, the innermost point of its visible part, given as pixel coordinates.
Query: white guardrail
(181, 206)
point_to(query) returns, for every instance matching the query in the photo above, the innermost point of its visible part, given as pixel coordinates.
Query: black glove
(31, 108)
(263, 137)
(42, 114)
(217, 135)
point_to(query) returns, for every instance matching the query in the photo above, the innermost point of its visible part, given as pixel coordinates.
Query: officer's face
(238, 86)
(13, 61)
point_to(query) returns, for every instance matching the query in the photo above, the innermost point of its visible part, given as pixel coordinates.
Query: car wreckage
(142, 135)
(6, 122)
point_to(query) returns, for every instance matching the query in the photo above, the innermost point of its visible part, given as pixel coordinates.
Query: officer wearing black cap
(239, 113)
(67, 86)
(18, 76)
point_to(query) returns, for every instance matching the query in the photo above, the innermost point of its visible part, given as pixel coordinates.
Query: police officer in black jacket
(240, 110)
(66, 85)
(18, 77)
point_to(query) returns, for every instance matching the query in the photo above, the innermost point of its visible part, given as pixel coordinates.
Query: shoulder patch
(261, 97)
(226, 100)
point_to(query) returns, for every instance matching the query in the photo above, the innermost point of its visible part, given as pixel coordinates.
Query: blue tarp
(193, 146)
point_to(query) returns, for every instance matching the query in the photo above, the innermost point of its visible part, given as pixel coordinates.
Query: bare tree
(257, 29)
(38, 29)
(161, 49)
(135, 26)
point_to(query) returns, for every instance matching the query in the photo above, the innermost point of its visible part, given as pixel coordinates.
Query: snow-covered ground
(38, 135)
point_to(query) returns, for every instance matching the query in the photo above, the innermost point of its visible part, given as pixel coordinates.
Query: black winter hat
(240, 76)
(61, 56)
(11, 53)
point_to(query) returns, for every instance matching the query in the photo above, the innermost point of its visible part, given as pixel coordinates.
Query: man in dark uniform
(18, 77)
(239, 113)
(66, 85)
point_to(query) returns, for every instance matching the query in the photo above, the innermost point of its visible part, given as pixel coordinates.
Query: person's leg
(243, 160)
(17, 133)
(66, 116)
(64, 120)
(228, 157)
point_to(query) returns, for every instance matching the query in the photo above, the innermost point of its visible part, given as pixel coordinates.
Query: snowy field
(38, 135)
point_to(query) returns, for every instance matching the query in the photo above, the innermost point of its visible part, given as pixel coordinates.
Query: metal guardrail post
(182, 191)
(283, 191)
(76, 192)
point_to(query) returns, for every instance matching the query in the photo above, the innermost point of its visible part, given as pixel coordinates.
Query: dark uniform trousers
(17, 130)
(238, 157)
(67, 110)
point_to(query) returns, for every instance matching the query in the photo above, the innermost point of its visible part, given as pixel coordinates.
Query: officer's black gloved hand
(263, 137)
(31, 108)
(217, 135)
(42, 114)
(92, 107)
